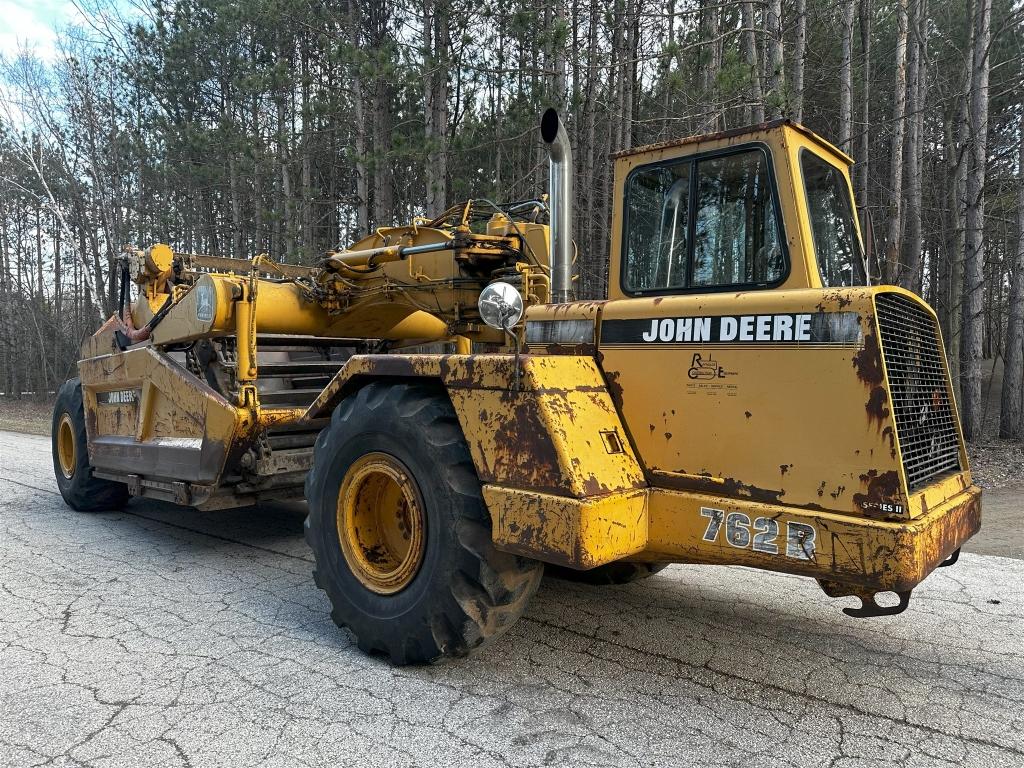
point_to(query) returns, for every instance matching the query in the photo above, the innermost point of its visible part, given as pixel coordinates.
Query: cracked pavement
(162, 636)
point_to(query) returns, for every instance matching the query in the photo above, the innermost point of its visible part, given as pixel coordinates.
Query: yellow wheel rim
(381, 525)
(66, 446)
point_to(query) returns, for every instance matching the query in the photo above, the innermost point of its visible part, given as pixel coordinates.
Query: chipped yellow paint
(99, 343)
(119, 419)
(172, 411)
(789, 424)
(578, 533)
(874, 554)
(268, 418)
(557, 495)
(552, 434)
(804, 426)
(182, 323)
(282, 308)
(588, 452)
(382, 528)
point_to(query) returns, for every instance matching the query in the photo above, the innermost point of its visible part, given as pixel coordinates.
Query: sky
(34, 23)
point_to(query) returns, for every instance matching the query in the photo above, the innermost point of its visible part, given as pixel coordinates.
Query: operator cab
(769, 206)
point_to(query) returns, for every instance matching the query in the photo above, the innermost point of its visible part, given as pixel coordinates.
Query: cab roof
(734, 133)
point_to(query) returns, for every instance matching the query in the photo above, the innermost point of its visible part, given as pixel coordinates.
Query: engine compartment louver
(918, 390)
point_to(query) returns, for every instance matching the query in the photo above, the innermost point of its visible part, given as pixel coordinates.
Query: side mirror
(500, 306)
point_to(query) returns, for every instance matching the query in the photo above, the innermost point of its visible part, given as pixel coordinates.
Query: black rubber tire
(82, 491)
(611, 573)
(466, 591)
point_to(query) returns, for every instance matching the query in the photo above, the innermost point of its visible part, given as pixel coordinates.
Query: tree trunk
(626, 66)
(262, 240)
(712, 66)
(236, 206)
(974, 257)
(899, 115)
(383, 173)
(57, 281)
(776, 97)
(590, 186)
(957, 168)
(799, 57)
(863, 160)
(557, 45)
(362, 201)
(917, 93)
(754, 110)
(6, 303)
(306, 163)
(435, 101)
(845, 80)
(40, 283)
(667, 45)
(1013, 366)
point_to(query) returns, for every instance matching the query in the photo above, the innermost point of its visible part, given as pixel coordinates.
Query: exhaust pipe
(553, 132)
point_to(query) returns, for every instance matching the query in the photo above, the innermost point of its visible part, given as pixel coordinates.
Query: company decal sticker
(709, 375)
(204, 302)
(118, 397)
(822, 328)
(760, 534)
(704, 366)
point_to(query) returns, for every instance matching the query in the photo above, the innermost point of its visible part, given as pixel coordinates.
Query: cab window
(702, 223)
(658, 214)
(836, 246)
(737, 237)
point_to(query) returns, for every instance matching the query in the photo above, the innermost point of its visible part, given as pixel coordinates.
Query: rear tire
(460, 591)
(79, 487)
(610, 573)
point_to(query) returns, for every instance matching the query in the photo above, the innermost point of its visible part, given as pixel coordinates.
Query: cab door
(724, 375)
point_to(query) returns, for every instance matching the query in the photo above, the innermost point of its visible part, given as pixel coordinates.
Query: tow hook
(951, 560)
(869, 607)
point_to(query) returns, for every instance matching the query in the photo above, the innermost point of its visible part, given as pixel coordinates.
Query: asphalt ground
(160, 636)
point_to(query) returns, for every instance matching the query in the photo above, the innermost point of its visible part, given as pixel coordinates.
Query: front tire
(400, 532)
(79, 487)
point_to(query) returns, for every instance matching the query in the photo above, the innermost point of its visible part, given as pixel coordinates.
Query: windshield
(836, 246)
(702, 222)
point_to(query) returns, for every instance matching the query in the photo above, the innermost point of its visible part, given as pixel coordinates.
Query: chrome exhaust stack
(560, 200)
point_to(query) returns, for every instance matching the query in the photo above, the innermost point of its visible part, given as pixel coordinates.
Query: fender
(559, 476)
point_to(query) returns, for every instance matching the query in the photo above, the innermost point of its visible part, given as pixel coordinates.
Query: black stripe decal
(818, 328)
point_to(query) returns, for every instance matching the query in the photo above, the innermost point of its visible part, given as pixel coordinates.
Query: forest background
(293, 126)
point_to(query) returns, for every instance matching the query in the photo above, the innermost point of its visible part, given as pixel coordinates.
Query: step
(292, 441)
(282, 339)
(297, 368)
(309, 349)
(313, 425)
(303, 396)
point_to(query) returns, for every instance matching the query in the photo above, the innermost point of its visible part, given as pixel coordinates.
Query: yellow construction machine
(456, 421)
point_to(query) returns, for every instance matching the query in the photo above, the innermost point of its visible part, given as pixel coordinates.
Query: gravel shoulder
(26, 415)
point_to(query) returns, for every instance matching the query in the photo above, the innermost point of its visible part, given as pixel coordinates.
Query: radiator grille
(918, 389)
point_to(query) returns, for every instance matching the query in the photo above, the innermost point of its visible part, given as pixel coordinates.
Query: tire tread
(84, 491)
(488, 589)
